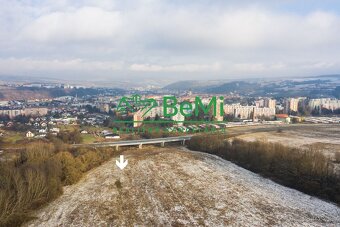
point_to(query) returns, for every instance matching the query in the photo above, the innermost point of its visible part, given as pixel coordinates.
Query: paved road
(138, 142)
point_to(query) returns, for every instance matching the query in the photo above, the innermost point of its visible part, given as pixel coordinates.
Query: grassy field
(89, 138)
(323, 137)
(14, 137)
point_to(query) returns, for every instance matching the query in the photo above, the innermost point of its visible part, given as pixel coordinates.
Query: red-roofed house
(283, 117)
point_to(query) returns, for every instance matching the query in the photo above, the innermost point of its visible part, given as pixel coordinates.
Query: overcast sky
(177, 39)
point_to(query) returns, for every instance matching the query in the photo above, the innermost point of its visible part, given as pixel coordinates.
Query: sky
(174, 40)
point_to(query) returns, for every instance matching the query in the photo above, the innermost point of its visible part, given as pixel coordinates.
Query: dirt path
(174, 187)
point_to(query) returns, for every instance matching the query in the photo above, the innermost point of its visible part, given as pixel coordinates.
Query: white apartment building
(270, 103)
(218, 116)
(264, 112)
(36, 111)
(247, 112)
(137, 119)
(266, 102)
(327, 103)
(291, 104)
(158, 110)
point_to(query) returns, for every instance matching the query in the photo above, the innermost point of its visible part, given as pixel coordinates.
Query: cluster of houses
(45, 116)
(94, 119)
(41, 126)
(41, 133)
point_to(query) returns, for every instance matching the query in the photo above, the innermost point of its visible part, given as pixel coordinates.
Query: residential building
(327, 103)
(29, 134)
(283, 117)
(291, 105)
(155, 111)
(137, 118)
(104, 107)
(219, 116)
(270, 103)
(248, 112)
(36, 111)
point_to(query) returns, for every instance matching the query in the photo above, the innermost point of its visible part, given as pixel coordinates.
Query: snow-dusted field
(324, 137)
(174, 187)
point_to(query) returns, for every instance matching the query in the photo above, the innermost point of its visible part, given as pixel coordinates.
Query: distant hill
(29, 93)
(337, 92)
(236, 86)
(194, 85)
(337, 76)
(217, 86)
(12, 93)
(181, 85)
(314, 87)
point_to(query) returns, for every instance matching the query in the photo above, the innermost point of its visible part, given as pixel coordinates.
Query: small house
(112, 136)
(42, 130)
(29, 134)
(56, 130)
(283, 118)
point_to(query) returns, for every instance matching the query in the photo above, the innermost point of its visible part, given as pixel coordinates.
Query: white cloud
(175, 68)
(228, 28)
(248, 28)
(24, 65)
(159, 36)
(257, 67)
(87, 23)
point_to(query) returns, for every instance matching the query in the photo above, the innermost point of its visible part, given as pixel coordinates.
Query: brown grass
(37, 176)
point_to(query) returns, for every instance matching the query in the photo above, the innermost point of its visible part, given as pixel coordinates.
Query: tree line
(306, 170)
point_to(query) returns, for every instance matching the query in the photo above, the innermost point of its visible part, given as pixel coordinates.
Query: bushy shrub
(71, 167)
(208, 143)
(158, 133)
(36, 152)
(71, 137)
(27, 185)
(37, 177)
(152, 134)
(89, 160)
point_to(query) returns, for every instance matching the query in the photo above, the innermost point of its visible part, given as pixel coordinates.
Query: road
(138, 142)
(231, 132)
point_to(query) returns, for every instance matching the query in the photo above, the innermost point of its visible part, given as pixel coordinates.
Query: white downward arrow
(121, 163)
